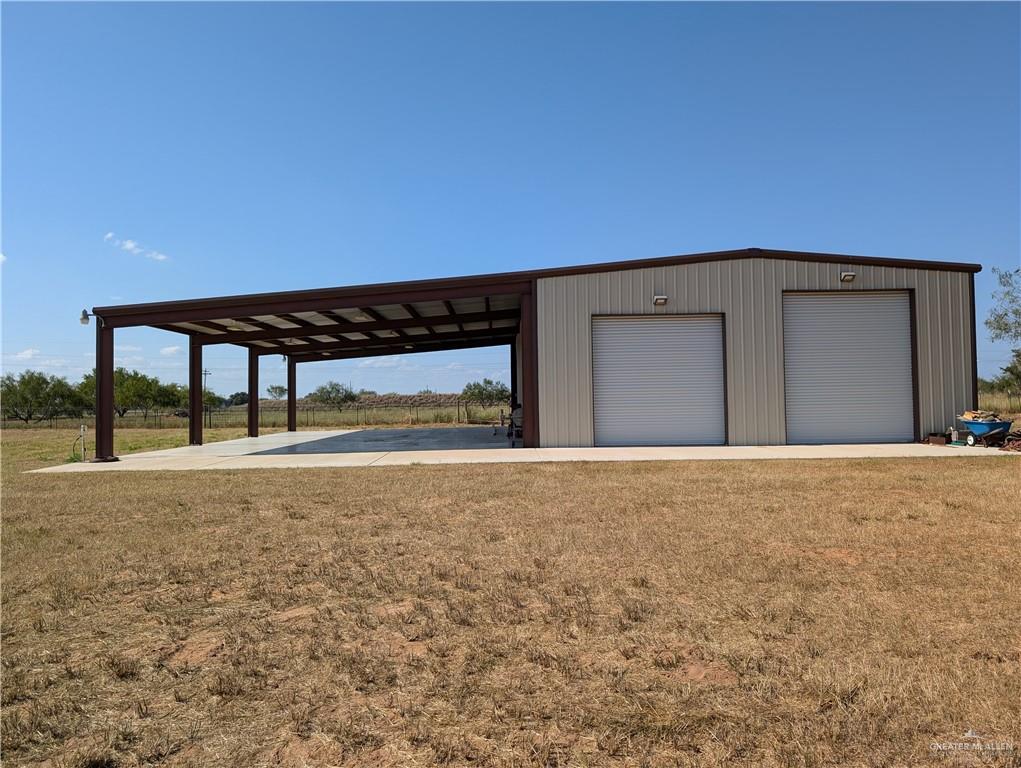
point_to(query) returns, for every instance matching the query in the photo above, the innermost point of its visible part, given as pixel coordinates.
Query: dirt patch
(294, 614)
(689, 663)
(196, 650)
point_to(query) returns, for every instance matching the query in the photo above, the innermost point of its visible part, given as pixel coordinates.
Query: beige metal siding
(749, 292)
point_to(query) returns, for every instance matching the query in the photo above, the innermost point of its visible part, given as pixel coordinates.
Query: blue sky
(232, 148)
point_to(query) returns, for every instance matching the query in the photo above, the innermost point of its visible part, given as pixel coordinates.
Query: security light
(847, 277)
(659, 301)
(84, 319)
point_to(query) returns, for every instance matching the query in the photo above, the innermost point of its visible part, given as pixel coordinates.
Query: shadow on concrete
(374, 440)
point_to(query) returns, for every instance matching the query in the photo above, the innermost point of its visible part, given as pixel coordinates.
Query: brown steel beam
(241, 337)
(529, 370)
(514, 371)
(494, 341)
(232, 306)
(488, 310)
(349, 344)
(174, 328)
(260, 324)
(104, 392)
(299, 321)
(381, 319)
(194, 393)
(418, 315)
(253, 392)
(292, 395)
(452, 313)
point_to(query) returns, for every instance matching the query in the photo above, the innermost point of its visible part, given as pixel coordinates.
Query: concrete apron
(290, 450)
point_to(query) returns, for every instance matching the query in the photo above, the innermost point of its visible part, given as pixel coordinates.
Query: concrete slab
(410, 439)
(469, 445)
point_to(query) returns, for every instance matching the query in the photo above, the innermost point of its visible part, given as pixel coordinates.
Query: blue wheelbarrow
(986, 432)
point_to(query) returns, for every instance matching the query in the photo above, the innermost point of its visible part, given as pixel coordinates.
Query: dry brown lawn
(699, 613)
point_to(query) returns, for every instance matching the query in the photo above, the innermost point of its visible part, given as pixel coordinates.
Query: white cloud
(170, 351)
(27, 354)
(134, 247)
(379, 362)
(2, 258)
(125, 348)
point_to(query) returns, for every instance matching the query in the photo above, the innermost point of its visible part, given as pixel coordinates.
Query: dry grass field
(647, 614)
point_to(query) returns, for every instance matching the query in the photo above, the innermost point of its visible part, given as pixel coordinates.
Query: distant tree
(213, 400)
(367, 393)
(87, 388)
(486, 391)
(136, 392)
(1004, 321)
(426, 391)
(238, 398)
(131, 390)
(126, 389)
(987, 385)
(170, 396)
(333, 393)
(34, 396)
(275, 391)
(1009, 379)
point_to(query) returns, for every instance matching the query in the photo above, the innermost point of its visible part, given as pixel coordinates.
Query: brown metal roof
(409, 316)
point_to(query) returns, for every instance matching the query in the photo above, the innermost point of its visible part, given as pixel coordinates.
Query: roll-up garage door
(847, 365)
(658, 380)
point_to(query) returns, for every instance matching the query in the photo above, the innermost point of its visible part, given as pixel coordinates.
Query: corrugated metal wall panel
(847, 367)
(749, 293)
(658, 380)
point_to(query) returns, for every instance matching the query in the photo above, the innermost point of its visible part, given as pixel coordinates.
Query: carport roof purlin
(383, 319)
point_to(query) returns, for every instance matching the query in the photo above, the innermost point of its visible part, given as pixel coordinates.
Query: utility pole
(205, 372)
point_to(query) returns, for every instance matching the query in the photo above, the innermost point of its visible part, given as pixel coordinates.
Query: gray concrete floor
(417, 439)
(471, 445)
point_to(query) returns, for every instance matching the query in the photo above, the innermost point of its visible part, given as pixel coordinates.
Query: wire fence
(1001, 402)
(459, 412)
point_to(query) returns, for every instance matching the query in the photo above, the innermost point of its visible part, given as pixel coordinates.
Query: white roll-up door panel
(847, 367)
(658, 380)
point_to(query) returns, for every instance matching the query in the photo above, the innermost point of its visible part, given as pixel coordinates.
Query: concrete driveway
(469, 445)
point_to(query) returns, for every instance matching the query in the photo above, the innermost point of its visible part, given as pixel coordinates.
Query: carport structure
(334, 324)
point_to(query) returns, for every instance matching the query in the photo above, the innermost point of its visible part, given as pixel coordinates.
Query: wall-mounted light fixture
(659, 301)
(85, 315)
(847, 277)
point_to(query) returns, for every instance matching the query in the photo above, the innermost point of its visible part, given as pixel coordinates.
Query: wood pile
(1012, 442)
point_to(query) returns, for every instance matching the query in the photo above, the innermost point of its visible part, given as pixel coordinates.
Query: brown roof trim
(507, 281)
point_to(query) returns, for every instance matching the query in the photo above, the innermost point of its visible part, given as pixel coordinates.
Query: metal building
(747, 347)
